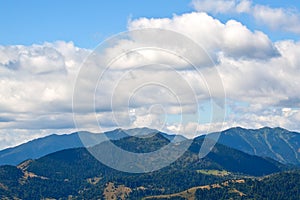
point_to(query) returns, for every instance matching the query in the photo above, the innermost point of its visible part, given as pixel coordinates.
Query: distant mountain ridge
(276, 143)
(76, 174)
(38, 147)
(52, 143)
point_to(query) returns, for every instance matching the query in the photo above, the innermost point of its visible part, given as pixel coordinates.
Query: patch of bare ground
(32, 175)
(4, 187)
(189, 194)
(236, 191)
(24, 165)
(94, 180)
(113, 192)
(27, 175)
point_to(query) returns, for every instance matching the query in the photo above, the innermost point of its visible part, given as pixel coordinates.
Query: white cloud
(283, 19)
(219, 6)
(277, 18)
(38, 77)
(265, 84)
(232, 38)
(36, 85)
(268, 82)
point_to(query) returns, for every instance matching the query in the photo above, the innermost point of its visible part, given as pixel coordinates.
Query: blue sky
(84, 23)
(43, 45)
(88, 23)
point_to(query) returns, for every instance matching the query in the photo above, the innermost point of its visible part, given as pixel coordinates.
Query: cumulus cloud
(255, 71)
(36, 84)
(232, 38)
(268, 82)
(38, 77)
(283, 19)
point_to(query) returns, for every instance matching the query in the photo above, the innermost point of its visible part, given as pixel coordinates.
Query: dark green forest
(76, 174)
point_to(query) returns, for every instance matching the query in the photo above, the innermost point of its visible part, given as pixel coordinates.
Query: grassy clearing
(214, 172)
(189, 194)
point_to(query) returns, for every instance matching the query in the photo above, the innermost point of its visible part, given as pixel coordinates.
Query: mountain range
(52, 143)
(276, 143)
(76, 174)
(244, 164)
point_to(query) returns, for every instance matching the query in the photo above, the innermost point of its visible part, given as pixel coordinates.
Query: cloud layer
(260, 78)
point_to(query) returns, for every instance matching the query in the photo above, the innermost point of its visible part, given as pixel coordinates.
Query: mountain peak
(258, 129)
(276, 143)
(140, 131)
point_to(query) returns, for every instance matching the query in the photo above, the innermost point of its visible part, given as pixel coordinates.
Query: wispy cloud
(283, 19)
